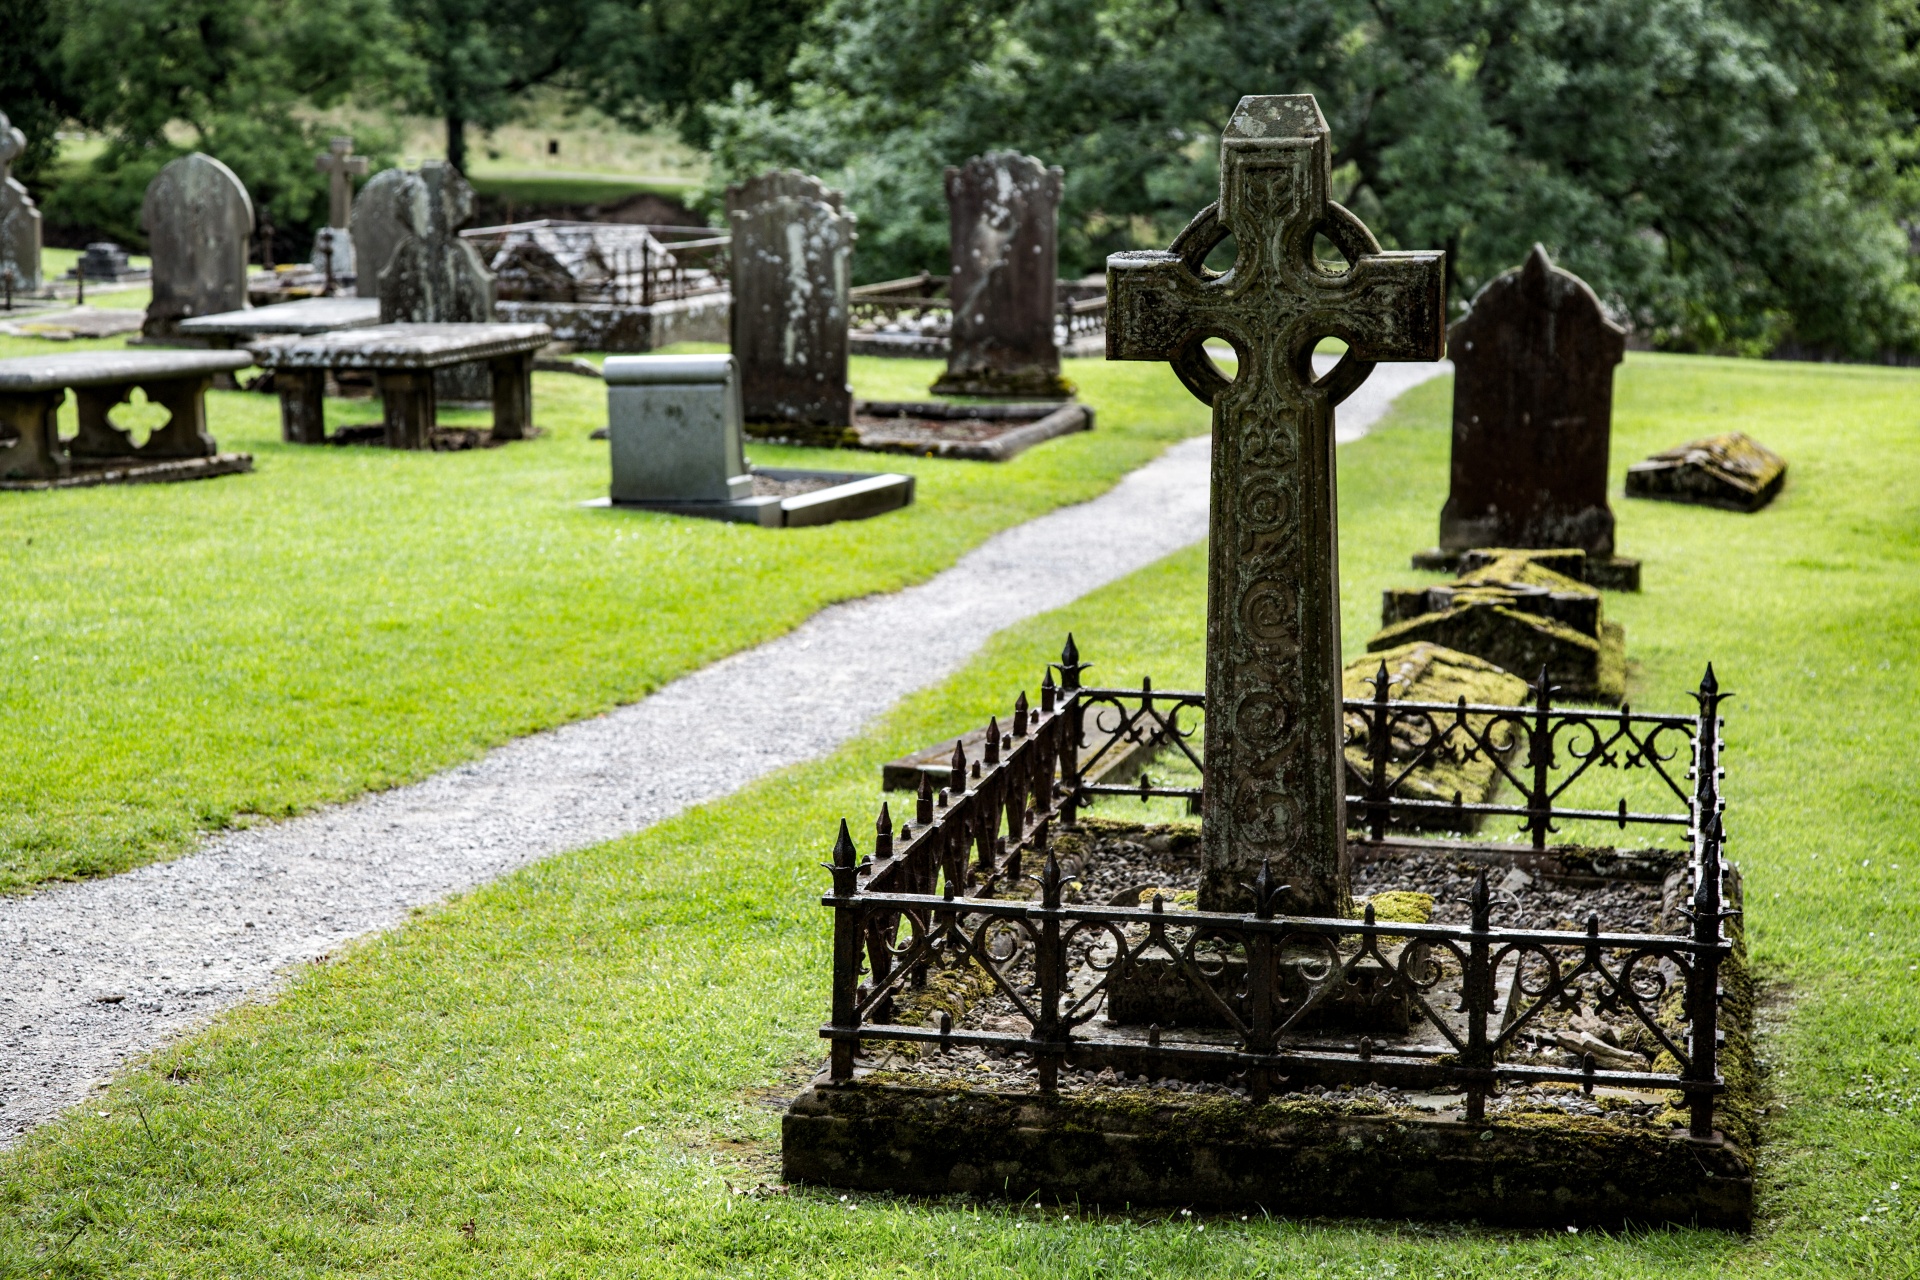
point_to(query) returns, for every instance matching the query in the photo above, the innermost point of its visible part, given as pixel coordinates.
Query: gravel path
(100, 972)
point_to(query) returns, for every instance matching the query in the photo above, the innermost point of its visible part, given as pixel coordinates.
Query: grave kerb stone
(1275, 787)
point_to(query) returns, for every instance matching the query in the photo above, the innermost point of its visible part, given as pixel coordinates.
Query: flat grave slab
(1732, 471)
(403, 358)
(941, 429)
(786, 498)
(303, 318)
(32, 389)
(66, 324)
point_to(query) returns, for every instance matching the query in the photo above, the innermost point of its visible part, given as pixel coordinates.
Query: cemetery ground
(348, 619)
(578, 1070)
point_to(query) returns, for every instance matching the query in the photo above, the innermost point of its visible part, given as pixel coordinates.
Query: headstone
(1731, 470)
(341, 167)
(1004, 210)
(673, 428)
(103, 260)
(1275, 787)
(198, 219)
(434, 277)
(792, 252)
(377, 226)
(1532, 414)
(19, 219)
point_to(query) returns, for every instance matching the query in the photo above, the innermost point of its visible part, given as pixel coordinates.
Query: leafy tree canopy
(1727, 173)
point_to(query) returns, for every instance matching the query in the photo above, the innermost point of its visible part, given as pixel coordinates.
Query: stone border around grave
(1135, 1146)
(158, 472)
(1051, 420)
(859, 495)
(1619, 573)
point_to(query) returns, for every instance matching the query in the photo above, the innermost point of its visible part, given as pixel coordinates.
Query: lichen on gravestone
(792, 260)
(199, 220)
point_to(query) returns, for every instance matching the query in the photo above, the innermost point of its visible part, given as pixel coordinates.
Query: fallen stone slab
(1732, 471)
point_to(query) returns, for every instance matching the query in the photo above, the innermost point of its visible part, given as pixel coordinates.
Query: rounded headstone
(199, 220)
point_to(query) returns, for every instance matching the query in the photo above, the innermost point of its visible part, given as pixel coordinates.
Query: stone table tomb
(403, 359)
(32, 389)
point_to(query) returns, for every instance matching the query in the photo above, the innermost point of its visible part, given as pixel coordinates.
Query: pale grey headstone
(19, 219)
(199, 220)
(673, 429)
(377, 225)
(792, 257)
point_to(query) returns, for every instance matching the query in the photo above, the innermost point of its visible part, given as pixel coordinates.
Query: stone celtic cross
(341, 168)
(1275, 787)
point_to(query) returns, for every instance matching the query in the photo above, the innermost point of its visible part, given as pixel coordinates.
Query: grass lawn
(576, 1071)
(180, 658)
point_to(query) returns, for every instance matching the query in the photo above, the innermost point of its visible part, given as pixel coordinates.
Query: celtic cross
(341, 167)
(1275, 786)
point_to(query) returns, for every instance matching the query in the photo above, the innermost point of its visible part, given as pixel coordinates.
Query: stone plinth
(198, 219)
(1532, 414)
(792, 246)
(1004, 209)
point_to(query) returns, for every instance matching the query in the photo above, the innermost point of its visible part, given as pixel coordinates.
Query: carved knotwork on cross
(1275, 788)
(341, 168)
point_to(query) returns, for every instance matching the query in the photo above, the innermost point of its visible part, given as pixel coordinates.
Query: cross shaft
(1275, 776)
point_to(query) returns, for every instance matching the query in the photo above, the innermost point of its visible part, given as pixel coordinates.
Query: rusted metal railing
(958, 885)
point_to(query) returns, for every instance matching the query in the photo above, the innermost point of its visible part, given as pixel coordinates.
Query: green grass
(584, 1059)
(182, 658)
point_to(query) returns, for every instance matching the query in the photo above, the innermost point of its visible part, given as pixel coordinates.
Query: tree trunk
(457, 143)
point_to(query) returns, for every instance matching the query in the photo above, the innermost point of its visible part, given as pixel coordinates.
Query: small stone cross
(1275, 784)
(341, 168)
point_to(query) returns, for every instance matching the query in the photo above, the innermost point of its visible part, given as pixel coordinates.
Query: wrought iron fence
(951, 887)
(625, 264)
(920, 303)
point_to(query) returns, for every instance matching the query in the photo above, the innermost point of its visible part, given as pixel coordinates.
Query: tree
(1727, 173)
(32, 91)
(238, 79)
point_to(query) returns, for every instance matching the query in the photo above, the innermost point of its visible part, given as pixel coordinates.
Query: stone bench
(402, 358)
(32, 389)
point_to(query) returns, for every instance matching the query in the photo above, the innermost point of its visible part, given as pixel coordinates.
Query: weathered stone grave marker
(1275, 788)
(333, 248)
(1004, 209)
(1532, 422)
(19, 219)
(198, 218)
(1731, 470)
(376, 226)
(792, 250)
(432, 276)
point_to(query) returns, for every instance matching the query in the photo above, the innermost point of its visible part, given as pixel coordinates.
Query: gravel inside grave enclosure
(1104, 861)
(768, 487)
(906, 430)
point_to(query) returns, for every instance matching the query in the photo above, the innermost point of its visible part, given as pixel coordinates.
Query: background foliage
(1732, 175)
(1728, 174)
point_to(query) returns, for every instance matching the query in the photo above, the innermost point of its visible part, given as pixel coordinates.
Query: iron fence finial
(1482, 904)
(957, 773)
